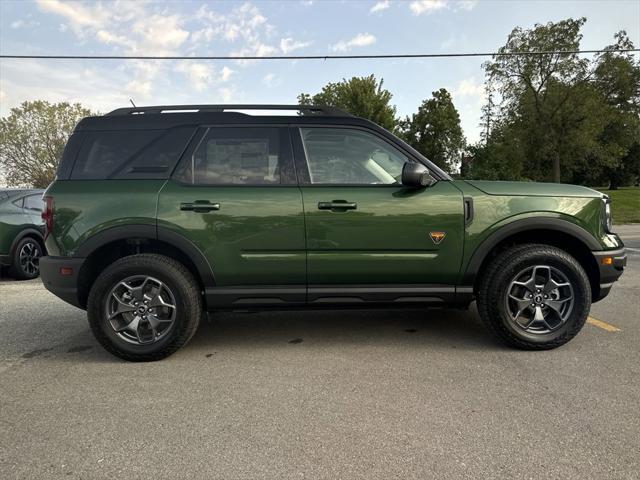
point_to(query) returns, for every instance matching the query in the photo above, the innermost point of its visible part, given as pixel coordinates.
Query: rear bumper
(609, 273)
(62, 286)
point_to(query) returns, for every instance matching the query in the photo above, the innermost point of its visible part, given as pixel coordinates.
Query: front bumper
(6, 260)
(64, 286)
(609, 272)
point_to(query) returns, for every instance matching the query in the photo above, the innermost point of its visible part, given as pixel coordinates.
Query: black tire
(496, 282)
(182, 286)
(25, 264)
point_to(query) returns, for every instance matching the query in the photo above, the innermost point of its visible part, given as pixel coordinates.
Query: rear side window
(236, 156)
(135, 154)
(34, 202)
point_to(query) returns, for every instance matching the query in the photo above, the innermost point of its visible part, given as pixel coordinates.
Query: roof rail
(304, 109)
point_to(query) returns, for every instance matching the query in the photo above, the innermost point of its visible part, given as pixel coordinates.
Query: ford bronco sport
(160, 214)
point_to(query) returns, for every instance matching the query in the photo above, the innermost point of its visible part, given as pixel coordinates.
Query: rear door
(234, 195)
(369, 237)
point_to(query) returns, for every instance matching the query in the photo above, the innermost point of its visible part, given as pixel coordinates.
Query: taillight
(47, 216)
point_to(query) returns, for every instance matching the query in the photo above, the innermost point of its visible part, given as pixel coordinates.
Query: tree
(435, 130)
(32, 139)
(540, 91)
(617, 79)
(360, 96)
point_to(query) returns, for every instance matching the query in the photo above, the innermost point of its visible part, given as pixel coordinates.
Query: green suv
(160, 214)
(21, 232)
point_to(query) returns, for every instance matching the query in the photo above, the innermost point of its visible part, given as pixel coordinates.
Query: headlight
(608, 222)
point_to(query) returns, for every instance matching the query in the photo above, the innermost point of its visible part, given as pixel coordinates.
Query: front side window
(351, 157)
(235, 156)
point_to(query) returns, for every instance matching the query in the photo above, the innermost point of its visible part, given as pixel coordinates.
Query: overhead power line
(311, 57)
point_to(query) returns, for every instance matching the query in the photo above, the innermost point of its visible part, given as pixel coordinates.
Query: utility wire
(311, 57)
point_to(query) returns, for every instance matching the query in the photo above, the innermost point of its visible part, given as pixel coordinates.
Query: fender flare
(150, 232)
(27, 232)
(519, 226)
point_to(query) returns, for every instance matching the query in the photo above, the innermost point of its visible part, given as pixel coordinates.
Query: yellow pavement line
(603, 325)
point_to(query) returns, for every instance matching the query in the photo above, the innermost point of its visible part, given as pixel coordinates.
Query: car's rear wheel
(26, 259)
(534, 297)
(144, 307)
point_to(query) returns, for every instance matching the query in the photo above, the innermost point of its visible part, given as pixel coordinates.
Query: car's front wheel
(144, 307)
(534, 297)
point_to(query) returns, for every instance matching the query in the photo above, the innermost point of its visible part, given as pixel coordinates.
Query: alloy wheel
(29, 258)
(141, 309)
(539, 299)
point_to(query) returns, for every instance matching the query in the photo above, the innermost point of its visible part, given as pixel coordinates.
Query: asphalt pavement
(321, 395)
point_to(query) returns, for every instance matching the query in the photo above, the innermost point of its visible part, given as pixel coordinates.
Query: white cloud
(418, 7)
(24, 24)
(78, 15)
(360, 40)
(200, 75)
(110, 38)
(469, 87)
(466, 4)
(380, 6)
(138, 89)
(159, 34)
(271, 80)
(225, 73)
(289, 45)
(227, 94)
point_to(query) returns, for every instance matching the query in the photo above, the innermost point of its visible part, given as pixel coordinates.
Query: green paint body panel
(14, 220)
(276, 235)
(256, 238)
(492, 212)
(385, 240)
(534, 189)
(84, 208)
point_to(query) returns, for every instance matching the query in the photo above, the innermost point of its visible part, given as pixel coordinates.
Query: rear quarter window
(135, 154)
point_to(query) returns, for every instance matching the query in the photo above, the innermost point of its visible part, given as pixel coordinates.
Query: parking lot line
(603, 325)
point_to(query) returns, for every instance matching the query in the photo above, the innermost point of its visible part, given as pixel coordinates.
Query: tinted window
(69, 155)
(134, 154)
(345, 156)
(235, 156)
(34, 202)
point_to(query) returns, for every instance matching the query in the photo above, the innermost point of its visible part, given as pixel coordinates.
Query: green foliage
(32, 138)
(561, 117)
(435, 131)
(361, 96)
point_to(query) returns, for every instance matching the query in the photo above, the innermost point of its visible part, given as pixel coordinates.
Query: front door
(369, 237)
(234, 196)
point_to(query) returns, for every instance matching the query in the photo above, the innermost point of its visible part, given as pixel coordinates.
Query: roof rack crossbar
(308, 109)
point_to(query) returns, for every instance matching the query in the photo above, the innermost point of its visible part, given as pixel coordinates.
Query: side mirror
(416, 175)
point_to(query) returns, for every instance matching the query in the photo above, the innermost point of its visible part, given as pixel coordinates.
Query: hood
(534, 189)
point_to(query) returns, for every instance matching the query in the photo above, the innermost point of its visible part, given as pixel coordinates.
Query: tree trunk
(556, 168)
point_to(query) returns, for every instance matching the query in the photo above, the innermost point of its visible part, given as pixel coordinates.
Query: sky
(293, 27)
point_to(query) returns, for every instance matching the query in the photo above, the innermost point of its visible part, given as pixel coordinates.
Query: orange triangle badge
(437, 237)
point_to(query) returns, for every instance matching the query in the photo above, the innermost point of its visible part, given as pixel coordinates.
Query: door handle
(337, 205)
(199, 206)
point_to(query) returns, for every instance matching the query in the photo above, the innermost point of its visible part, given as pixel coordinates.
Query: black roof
(168, 116)
(161, 117)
